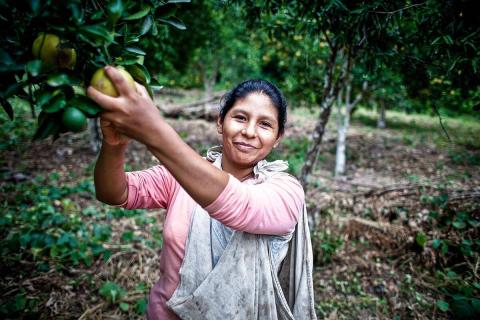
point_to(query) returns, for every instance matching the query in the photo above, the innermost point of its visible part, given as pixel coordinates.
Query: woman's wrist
(119, 147)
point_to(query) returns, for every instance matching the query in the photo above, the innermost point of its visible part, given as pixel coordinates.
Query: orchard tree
(219, 51)
(349, 30)
(439, 55)
(51, 49)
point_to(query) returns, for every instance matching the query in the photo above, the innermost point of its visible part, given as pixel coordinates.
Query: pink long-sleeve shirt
(271, 207)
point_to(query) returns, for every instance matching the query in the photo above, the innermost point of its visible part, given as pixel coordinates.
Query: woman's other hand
(132, 114)
(111, 135)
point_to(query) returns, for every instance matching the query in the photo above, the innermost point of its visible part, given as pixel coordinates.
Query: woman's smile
(243, 146)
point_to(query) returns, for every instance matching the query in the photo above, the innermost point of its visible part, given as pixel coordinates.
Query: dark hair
(253, 86)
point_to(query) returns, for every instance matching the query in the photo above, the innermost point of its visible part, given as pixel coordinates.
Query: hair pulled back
(247, 87)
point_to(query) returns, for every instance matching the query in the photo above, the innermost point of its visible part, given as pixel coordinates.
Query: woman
(230, 218)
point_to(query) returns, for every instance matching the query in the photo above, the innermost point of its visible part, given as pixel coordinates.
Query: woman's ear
(219, 125)
(277, 142)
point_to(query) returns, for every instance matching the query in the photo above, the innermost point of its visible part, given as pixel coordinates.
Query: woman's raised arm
(134, 114)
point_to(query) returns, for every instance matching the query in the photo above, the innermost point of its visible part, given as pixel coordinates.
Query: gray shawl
(229, 274)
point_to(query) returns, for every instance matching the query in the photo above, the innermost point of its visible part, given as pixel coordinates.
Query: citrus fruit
(66, 58)
(45, 47)
(73, 119)
(102, 82)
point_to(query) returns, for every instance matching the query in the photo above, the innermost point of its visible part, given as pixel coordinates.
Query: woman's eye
(265, 124)
(239, 117)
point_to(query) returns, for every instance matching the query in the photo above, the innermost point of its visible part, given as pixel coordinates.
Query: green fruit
(74, 120)
(102, 83)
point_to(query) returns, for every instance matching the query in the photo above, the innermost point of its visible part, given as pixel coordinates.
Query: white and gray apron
(229, 274)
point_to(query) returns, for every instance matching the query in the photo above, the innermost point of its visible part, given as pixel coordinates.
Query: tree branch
(398, 10)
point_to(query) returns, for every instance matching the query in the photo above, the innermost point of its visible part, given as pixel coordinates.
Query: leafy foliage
(51, 49)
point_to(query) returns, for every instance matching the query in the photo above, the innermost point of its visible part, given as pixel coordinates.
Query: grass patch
(462, 130)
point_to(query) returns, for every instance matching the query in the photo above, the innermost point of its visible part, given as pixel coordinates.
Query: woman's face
(249, 131)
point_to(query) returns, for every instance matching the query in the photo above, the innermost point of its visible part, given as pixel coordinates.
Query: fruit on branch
(74, 120)
(47, 48)
(102, 82)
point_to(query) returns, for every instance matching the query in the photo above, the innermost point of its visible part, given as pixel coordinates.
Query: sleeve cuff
(219, 203)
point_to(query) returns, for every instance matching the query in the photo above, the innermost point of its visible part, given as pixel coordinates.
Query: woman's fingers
(141, 90)
(106, 102)
(120, 83)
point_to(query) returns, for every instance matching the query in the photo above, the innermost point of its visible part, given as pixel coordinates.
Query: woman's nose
(250, 130)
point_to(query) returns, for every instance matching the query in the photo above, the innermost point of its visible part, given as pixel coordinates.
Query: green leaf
(462, 309)
(77, 12)
(448, 40)
(7, 107)
(96, 15)
(35, 5)
(11, 67)
(139, 73)
(56, 104)
(476, 304)
(146, 25)
(98, 34)
(140, 14)
(90, 108)
(111, 291)
(141, 306)
(173, 21)
(443, 305)
(47, 128)
(134, 50)
(421, 239)
(58, 79)
(436, 243)
(5, 57)
(20, 302)
(124, 306)
(129, 60)
(459, 224)
(13, 89)
(115, 10)
(42, 97)
(178, 1)
(444, 248)
(154, 29)
(474, 223)
(34, 67)
(166, 11)
(436, 40)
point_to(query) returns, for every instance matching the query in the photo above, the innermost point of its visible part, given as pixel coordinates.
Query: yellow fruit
(102, 83)
(46, 48)
(66, 58)
(74, 120)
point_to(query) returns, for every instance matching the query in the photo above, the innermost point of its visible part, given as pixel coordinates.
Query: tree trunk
(341, 134)
(330, 91)
(209, 81)
(381, 122)
(314, 147)
(343, 123)
(95, 135)
(207, 109)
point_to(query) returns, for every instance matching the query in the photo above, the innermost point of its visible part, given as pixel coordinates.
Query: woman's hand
(111, 135)
(132, 114)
